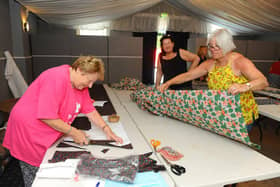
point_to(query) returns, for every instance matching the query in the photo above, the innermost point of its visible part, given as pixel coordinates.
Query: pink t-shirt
(50, 96)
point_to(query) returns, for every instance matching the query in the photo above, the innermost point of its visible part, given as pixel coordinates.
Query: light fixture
(26, 26)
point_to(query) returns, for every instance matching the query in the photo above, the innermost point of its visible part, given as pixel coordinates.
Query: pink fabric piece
(170, 154)
(50, 96)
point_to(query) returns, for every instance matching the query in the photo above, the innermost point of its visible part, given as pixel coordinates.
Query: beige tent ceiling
(240, 16)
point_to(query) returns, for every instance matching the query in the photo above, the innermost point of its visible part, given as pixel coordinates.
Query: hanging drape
(186, 15)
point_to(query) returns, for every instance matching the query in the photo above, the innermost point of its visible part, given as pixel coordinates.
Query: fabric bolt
(213, 110)
(216, 111)
(122, 170)
(221, 78)
(50, 96)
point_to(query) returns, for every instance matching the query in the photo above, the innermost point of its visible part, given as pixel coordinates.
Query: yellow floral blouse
(221, 78)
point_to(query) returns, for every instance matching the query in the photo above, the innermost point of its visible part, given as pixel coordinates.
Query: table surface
(271, 111)
(140, 146)
(209, 159)
(267, 93)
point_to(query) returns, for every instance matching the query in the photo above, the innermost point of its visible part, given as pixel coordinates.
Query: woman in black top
(172, 63)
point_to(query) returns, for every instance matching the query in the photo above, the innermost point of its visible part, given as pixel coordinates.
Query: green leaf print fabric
(213, 110)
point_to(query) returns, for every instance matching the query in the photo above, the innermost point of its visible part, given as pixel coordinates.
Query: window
(93, 32)
(96, 29)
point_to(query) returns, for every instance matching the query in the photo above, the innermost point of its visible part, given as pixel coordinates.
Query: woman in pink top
(48, 107)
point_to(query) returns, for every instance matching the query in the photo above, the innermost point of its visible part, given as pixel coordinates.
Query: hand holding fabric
(79, 137)
(163, 87)
(111, 135)
(237, 88)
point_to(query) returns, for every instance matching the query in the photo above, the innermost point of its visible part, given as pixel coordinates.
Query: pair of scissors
(176, 169)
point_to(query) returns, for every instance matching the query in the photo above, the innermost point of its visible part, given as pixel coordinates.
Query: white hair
(223, 39)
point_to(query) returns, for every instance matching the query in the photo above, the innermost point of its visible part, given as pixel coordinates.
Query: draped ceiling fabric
(78, 12)
(240, 16)
(147, 20)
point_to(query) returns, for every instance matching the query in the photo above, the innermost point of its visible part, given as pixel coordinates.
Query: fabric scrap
(123, 170)
(169, 153)
(64, 155)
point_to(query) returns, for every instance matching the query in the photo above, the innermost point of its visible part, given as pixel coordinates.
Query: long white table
(210, 159)
(140, 146)
(271, 111)
(267, 92)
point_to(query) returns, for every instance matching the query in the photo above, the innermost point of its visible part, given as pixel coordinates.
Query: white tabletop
(266, 92)
(140, 146)
(209, 159)
(271, 111)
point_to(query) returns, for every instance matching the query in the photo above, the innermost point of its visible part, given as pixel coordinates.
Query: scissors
(176, 169)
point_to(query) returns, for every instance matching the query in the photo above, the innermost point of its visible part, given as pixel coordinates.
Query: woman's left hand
(112, 136)
(238, 88)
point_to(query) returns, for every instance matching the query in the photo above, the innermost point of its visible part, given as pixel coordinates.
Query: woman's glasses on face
(212, 47)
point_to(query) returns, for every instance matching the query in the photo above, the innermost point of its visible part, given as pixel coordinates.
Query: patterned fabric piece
(214, 110)
(128, 83)
(148, 164)
(221, 78)
(169, 153)
(122, 170)
(60, 156)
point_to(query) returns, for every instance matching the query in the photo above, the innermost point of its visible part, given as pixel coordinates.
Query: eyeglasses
(216, 47)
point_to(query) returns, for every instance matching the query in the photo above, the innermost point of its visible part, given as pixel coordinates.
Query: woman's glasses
(214, 47)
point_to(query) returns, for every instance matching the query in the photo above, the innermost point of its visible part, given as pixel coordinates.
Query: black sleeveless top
(173, 67)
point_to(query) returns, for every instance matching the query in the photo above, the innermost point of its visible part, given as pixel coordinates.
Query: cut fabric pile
(122, 170)
(214, 110)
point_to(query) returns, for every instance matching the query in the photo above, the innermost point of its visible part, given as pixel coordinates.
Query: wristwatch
(249, 85)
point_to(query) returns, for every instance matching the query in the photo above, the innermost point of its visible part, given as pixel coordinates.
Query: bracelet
(69, 130)
(249, 85)
(104, 127)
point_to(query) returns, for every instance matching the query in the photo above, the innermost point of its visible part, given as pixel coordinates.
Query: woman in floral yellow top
(228, 70)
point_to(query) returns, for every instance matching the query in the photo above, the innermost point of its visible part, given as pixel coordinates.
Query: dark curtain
(180, 39)
(149, 49)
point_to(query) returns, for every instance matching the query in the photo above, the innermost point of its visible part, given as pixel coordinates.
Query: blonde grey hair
(89, 64)
(223, 39)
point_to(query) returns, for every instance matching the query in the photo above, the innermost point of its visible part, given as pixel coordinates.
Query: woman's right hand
(79, 137)
(163, 87)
